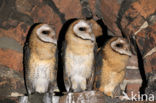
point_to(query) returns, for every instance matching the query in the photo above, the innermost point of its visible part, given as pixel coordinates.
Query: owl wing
(65, 77)
(54, 86)
(61, 71)
(98, 65)
(91, 80)
(26, 55)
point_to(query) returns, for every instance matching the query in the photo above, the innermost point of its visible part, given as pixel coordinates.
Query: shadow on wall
(101, 40)
(140, 61)
(142, 70)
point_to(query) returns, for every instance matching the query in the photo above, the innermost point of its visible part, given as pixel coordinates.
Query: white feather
(78, 69)
(84, 34)
(121, 50)
(43, 27)
(41, 77)
(46, 38)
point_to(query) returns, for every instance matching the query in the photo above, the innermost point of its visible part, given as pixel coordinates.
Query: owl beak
(55, 41)
(92, 37)
(129, 53)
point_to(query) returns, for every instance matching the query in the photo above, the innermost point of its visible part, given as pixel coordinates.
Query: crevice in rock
(123, 8)
(98, 9)
(86, 11)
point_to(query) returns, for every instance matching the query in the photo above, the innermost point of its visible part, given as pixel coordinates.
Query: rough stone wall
(134, 19)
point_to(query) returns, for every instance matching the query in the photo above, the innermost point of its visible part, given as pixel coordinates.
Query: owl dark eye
(82, 29)
(119, 45)
(46, 32)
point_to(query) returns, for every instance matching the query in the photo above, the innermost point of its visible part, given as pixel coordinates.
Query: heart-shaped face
(121, 46)
(83, 29)
(47, 34)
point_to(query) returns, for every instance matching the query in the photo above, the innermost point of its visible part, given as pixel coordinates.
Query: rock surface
(11, 85)
(133, 19)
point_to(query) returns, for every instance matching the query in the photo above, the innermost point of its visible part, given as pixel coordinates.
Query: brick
(132, 74)
(133, 61)
(129, 81)
(133, 88)
(11, 59)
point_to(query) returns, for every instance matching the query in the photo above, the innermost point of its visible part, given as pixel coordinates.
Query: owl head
(46, 34)
(83, 30)
(121, 46)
